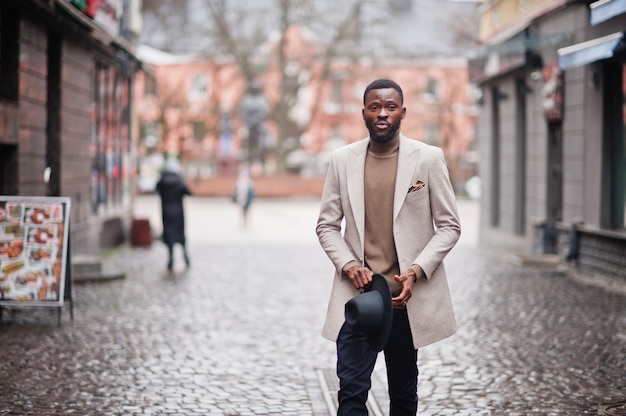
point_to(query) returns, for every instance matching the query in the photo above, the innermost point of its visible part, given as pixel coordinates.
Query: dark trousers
(355, 363)
(170, 254)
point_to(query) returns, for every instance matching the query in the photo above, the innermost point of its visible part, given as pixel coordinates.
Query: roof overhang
(495, 60)
(603, 10)
(525, 43)
(590, 51)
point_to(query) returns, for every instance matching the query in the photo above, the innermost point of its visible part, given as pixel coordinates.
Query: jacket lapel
(407, 160)
(356, 185)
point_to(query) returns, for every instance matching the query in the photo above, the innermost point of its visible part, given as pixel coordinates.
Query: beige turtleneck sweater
(381, 165)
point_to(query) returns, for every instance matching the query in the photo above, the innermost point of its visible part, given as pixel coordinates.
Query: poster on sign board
(33, 250)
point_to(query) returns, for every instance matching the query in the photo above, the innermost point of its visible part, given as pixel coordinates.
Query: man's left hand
(407, 279)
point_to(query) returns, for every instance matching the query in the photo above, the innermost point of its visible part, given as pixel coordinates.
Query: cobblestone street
(239, 332)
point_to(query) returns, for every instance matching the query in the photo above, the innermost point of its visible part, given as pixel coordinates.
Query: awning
(603, 10)
(590, 51)
(523, 44)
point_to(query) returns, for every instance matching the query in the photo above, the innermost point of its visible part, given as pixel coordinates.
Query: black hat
(371, 312)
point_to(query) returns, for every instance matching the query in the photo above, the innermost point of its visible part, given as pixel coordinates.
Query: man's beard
(385, 137)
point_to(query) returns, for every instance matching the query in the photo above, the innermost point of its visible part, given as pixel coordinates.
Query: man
(400, 217)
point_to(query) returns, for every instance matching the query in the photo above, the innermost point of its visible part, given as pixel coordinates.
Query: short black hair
(383, 83)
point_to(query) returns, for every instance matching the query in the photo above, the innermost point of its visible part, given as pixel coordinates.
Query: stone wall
(265, 186)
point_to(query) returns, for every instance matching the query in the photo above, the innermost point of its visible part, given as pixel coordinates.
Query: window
(334, 105)
(335, 93)
(150, 134)
(149, 85)
(431, 134)
(335, 132)
(199, 130)
(199, 87)
(431, 91)
(111, 138)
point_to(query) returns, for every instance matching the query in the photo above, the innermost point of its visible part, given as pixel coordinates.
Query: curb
(555, 263)
(88, 268)
(99, 277)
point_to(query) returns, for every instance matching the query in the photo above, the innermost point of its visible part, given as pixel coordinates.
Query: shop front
(553, 139)
(66, 73)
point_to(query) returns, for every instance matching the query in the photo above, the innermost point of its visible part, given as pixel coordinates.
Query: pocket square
(417, 186)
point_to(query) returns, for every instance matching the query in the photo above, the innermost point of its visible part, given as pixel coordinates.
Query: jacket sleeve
(330, 219)
(444, 214)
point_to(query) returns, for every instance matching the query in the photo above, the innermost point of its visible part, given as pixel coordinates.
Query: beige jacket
(426, 226)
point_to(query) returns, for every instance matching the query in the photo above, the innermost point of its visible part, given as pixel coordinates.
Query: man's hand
(407, 279)
(359, 276)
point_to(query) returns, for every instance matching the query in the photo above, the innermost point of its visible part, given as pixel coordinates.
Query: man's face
(383, 113)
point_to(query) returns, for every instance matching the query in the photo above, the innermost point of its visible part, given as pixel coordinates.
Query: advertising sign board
(34, 251)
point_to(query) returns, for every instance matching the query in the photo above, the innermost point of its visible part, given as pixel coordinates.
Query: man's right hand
(359, 276)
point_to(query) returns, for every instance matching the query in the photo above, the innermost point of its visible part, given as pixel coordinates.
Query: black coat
(172, 188)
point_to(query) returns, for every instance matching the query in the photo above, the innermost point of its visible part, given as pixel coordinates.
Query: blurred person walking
(399, 214)
(172, 189)
(244, 193)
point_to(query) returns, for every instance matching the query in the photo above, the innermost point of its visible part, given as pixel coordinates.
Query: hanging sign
(552, 93)
(108, 14)
(33, 250)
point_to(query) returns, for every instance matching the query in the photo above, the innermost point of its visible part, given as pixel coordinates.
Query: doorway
(554, 187)
(8, 169)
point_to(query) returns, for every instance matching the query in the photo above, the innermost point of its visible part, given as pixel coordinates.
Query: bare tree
(464, 27)
(164, 23)
(258, 40)
(343, 33)
(256, 35)
(169, 102)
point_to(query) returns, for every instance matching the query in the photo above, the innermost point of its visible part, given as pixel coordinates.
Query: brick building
(66, 71)
(189, 107)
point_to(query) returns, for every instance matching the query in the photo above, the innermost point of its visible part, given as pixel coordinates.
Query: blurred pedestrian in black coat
(172, 188)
